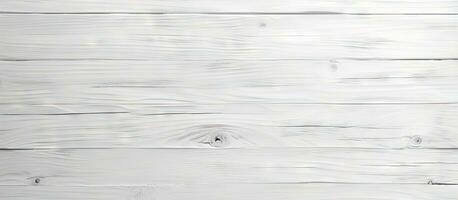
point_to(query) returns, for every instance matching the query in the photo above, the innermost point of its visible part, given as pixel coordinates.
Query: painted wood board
(241, 125)
(233, 191)
(227, 37)
(232, 6)
(178, 82)
(100, 167)
(226, 99)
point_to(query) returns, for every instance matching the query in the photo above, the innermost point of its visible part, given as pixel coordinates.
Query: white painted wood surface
(233, 191)
(162, 166)
(223, 99)
(227, 37)
(234, 6)
(118, 83)
(260, 125)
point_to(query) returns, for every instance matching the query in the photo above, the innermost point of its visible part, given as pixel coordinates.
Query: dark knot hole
(218, 139)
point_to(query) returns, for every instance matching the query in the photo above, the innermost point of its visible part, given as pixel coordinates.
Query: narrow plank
(233, 191)
(226, 37)
(178, 82)
(224, 6)
(238, 125)
(98, 167)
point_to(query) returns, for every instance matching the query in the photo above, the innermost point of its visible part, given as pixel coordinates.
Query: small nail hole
(333, 65)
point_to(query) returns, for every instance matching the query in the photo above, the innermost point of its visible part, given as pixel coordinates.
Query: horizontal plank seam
(258, 103)
(246, 183)
(280, 59)
(355, 183)
(221, 148)
(203, 184)
(217, 13)
(108, 113)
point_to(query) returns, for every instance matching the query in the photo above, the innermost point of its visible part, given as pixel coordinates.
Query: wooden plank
(227, 37)
(224, 6)
(98, 167)
(214, 82)
(232, 191)
(240, 125)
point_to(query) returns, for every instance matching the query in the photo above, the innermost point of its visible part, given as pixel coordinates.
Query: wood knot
(219, 135)
(37, 180)
(218, 140)
(262, 24)
(416, 140)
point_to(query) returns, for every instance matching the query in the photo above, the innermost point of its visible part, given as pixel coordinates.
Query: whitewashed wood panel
(227, 37)
(239, 125)
(230, 6)
(99, 167)
(233, 191)
(178, 82)
(224, 99)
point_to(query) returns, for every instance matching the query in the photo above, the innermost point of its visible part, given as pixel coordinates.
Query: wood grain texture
(202, 99)
(233, 191)
(242, 125)
(227, 37)
(141, 167)
(178, 82)
(232, 6)
(121, 104)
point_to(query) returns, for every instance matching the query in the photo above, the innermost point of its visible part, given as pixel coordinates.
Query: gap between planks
(216, 149)
(225, 59)
(213, 13)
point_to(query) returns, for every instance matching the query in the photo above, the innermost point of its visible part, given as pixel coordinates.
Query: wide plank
(232, 6)
(227, 37)
(98, 167)
(178, 82)
(232, 191)
(236, 125)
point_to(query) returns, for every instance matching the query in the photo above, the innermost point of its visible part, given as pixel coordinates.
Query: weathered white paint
(233, 6)
(119, 83)
(294, 99)
(227, 37)
(162, 166)
(233, 191)
(256, 103)
(244, 125)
